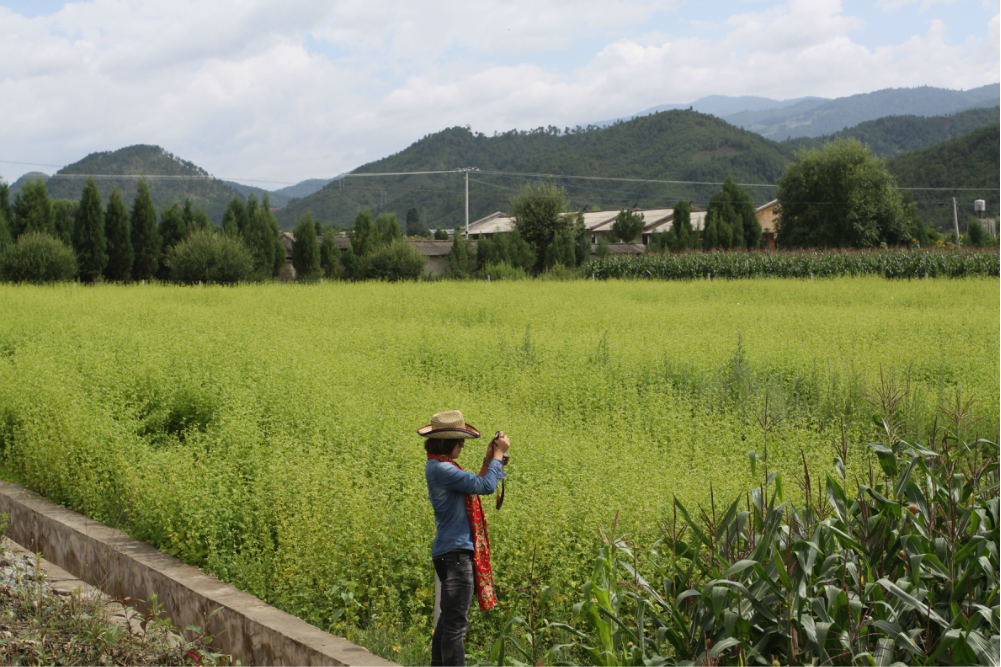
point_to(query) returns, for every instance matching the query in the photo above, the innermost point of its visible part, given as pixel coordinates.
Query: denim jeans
(455, 571)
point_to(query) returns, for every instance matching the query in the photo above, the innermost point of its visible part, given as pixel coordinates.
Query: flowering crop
(266, 433)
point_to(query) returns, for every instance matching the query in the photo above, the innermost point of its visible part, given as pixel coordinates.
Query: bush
(503, 271)
(211, 258)
(560, 272)
(397, 261)
(976, 235)
(37, 257)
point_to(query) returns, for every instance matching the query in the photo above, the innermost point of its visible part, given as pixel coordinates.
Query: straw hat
(448, 425)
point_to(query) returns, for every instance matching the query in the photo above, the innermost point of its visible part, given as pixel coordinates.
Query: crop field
(266, 433)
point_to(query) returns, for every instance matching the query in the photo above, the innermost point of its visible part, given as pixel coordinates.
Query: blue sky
(291, 89)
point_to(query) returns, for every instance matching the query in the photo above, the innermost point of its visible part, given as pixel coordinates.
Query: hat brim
(448, 433)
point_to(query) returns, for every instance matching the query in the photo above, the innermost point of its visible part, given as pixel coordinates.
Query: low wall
(245, 627)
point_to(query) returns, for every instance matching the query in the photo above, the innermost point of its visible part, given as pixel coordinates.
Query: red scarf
(483, 573)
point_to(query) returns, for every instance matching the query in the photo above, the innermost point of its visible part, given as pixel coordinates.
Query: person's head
(447, 433)
(444, 446)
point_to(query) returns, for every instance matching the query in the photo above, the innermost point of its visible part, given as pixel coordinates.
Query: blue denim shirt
(447, 489)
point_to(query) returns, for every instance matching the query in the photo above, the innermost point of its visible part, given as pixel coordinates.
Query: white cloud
(233, 87)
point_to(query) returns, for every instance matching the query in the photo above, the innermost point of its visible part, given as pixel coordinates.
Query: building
(768, 217)
(664, 223)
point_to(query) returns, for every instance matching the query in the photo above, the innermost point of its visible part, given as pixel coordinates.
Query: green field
(266, 433)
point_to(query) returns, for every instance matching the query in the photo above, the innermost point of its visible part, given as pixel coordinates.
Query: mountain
(846, 112)
(970, 161)
(724, 106)
(16, 186)
(671, 145)
(893, 135)
(274, 199)
(171, 178)
(304, 188)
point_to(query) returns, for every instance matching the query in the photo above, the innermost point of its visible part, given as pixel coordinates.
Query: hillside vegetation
(890, 136)
(186, 179)
(970, 161)
(672, 145)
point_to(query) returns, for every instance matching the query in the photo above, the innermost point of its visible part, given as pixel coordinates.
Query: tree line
(43, 239)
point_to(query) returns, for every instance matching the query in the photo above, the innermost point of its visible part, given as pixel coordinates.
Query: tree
(195, 218)
(397, 260)
(662, 241)
(603, 249)
(37, 257)
(305, 252)
(6, 240)
(736, 217)
(235, 217)
(539, 214)
(32, 210)
(685, 236)
(5, 208)
(583, 246)
(976, 235)
(172, 231)
(561, 251)
(88, 234)
(63, 212)
(260, 240)
(116, 231)
(211, 258)
(839, 196)
(460, 264)
(330, 254)
(362, 233)
(144, 234)
(278, 257)
(387, 229)
(627, 226)
(440, 235)
(710, 237)
(414, 225)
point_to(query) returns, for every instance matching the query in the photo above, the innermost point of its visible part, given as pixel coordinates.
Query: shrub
(37, 257)
(560, 272)
(211, 258)
(976, 235)
(503, 271)
(399, 260)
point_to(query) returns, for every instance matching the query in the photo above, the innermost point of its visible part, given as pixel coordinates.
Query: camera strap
(500, 496)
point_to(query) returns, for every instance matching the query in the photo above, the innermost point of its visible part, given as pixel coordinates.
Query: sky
(273, 92)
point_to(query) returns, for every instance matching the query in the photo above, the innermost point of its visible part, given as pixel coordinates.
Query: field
(266, 433)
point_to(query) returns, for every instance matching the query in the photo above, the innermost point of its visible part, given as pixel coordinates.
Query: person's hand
(500, 445)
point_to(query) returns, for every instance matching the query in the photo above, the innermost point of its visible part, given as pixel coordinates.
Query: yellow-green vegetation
(267, 433)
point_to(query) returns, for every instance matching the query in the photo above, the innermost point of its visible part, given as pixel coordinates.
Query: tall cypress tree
(5, 238)
(735, 210)
(235, 217)
(260, 241)
(32, 210)
(63, 211)
(172, 230)
(361, 234)
(88, 234)
(305, 252)
(144, 235)
(5, 208)
(278, 248)
(684, 235)
(116, 230)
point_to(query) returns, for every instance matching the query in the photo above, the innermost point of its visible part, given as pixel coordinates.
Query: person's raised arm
(495, 451)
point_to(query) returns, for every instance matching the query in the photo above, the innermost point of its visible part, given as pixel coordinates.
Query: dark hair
(440, 446)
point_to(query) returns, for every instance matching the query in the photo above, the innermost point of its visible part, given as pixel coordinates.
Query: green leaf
(721, 646)
(913, 603)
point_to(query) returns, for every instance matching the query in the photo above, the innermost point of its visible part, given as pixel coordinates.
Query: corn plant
(904, 570)
(797, 264)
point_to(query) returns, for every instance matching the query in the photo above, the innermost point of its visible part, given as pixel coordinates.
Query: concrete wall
(245, 627)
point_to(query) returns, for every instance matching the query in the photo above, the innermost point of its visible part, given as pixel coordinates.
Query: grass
(267, 433)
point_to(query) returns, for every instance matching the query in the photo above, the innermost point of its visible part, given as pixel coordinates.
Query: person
(461, 548)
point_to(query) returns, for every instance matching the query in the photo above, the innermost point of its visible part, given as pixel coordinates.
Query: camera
(506, 455)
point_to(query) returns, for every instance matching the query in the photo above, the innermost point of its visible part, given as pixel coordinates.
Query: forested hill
(184, 179)
(671, 145)
(893, 135)
(970, 161)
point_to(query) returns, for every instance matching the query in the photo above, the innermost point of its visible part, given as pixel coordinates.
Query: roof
(698, 219)
(438, 248)
(649, 215)
(622, 248)
(767, 206)
(495, 223)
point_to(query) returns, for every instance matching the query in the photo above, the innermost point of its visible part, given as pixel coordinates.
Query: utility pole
(466, 171)
(955, 219)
